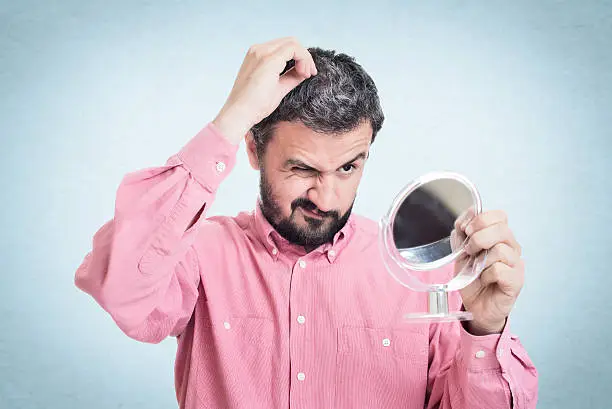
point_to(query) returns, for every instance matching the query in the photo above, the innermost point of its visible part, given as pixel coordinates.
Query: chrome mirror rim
(389, 219)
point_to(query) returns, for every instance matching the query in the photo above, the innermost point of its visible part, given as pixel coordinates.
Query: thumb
(289, 80)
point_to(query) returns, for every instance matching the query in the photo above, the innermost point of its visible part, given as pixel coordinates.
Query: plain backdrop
(516, 95)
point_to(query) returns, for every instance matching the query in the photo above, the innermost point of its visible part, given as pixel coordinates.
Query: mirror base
(439, 317)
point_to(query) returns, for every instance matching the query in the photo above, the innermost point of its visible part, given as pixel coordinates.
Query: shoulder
(365, 232)
(364, 226)
(215, 232)
(228, 225)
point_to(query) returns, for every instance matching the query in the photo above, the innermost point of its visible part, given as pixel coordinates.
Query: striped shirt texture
(260, 323)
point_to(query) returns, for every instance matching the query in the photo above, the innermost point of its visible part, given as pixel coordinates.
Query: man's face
(308, 181)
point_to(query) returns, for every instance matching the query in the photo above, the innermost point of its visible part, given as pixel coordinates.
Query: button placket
(297, 330)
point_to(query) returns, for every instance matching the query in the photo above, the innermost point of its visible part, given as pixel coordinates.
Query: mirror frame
(389, 220)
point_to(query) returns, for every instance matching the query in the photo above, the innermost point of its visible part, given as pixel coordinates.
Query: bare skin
(490, 297)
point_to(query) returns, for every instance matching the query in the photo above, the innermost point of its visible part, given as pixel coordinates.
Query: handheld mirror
(422, 246)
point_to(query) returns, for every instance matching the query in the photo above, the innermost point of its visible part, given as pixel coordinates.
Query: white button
(301, 319)
(302, 263)
(332, 253)
(274, 251)
(301, 376)
(480, 354)
(227, 325)
(386, 342)
(220, 167)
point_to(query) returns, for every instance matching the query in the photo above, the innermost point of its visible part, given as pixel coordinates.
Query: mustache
(308, 205)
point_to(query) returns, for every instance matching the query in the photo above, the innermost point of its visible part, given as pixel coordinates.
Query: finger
(464, 218)
(484, 220)
(293, 50)
(276, 50)
(299, 66)
(488, 237)
(264, 50)
(290, 80)
(501, 253)
(508, 279)
(458, 239)
(272, 45)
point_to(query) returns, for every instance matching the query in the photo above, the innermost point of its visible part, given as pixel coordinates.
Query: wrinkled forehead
(296, 142)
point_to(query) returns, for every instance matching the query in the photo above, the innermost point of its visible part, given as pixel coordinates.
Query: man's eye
(347, 169)
(302, 171)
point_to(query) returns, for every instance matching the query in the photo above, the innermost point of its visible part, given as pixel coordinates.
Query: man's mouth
(311, 213)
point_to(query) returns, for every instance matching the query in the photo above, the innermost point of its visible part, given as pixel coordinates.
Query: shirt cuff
(481, 353)
(209, 156)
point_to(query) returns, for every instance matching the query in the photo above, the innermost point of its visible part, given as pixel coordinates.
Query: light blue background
(516, 95)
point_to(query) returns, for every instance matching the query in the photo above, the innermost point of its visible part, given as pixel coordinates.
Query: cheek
(346, 192)
(287, 190)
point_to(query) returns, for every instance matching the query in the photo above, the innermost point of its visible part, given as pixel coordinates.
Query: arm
(142, 269)
(479, 364)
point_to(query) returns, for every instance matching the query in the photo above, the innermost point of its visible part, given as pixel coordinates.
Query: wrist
(478, 329)
(232, 124)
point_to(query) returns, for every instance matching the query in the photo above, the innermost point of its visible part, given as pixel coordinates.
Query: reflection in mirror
(424, 221)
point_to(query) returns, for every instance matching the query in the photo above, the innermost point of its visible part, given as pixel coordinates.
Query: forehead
(294, 140)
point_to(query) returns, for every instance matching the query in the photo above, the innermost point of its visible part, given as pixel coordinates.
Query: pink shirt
(262, 324)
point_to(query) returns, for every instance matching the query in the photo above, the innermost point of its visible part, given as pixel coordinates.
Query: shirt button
(386, 342)
(301, 376)
(301, 319)
(227, 325)
(274, 251)
(332, 253)
(302, 263)
(220, 167)
(480, 354)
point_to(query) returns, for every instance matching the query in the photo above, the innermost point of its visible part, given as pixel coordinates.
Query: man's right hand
(259, 87)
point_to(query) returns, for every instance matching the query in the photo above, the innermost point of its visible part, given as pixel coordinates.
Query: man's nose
(323, 193)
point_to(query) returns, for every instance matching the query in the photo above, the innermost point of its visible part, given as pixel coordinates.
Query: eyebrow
(297, 162)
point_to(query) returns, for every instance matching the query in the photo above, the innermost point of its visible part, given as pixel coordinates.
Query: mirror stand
(438, 310)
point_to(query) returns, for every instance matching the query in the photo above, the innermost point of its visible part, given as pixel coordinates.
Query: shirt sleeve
(142, 268)
(471, 372)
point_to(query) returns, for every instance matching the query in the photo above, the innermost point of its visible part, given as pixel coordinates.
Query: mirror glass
(426, 217)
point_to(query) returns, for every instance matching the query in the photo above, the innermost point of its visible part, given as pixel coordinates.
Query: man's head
(312, 149)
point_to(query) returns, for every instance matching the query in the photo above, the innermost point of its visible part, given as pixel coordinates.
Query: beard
(317, 231)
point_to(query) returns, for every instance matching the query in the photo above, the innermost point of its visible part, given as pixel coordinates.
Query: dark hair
(338, 99)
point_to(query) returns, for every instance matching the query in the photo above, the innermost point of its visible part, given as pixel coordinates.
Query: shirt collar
(276, 244)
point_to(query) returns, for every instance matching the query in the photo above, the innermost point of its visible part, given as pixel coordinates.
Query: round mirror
(422, 243)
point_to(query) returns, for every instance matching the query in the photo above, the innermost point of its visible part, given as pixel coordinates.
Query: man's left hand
(492, 295)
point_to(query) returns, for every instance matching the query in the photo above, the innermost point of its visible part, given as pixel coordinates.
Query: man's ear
(251, 148)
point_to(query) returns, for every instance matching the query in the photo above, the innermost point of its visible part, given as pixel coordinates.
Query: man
(290, 305)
